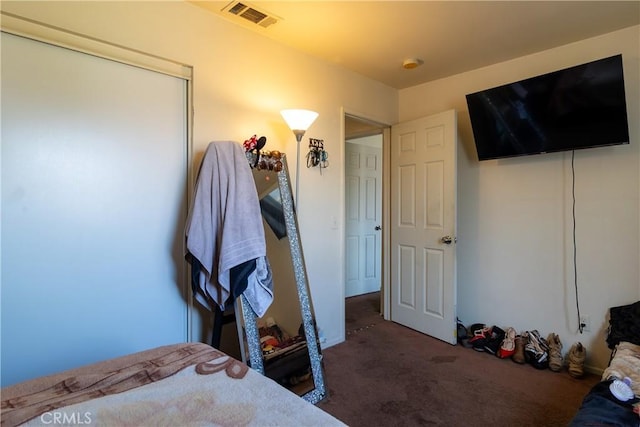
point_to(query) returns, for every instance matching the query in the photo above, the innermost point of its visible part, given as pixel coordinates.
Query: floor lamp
(298, 121)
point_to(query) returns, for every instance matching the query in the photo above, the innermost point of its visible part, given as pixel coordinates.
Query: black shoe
(494, 340)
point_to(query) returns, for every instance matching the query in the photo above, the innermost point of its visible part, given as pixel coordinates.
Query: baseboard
(593, 370)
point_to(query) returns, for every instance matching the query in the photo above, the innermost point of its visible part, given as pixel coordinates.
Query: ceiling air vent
(251, 13)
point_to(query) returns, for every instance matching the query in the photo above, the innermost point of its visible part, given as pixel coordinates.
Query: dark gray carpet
(387, 375)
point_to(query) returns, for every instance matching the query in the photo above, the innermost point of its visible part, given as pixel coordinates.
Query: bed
(175, 385)
(615, 400)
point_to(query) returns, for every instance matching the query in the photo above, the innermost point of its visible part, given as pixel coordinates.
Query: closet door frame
(40, 32)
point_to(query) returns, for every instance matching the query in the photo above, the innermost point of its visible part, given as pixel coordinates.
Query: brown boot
(518, 356)
(555, 352)
(576, 357)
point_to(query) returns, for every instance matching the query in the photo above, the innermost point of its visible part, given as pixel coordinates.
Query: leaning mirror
(283, 344)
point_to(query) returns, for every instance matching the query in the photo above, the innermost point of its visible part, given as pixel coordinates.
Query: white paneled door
(94, 180)
(363, 174)
(423, 225)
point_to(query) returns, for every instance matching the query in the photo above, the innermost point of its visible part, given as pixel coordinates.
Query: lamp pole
(298, 121)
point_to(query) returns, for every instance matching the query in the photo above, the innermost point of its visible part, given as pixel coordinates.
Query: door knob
(378, 227)
(447, 240)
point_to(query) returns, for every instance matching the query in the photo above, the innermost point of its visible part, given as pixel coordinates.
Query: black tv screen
(578, 107)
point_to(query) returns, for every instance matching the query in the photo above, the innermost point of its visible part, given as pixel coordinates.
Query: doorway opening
(366, 149)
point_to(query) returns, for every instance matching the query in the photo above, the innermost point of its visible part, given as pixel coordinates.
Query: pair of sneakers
(487, 339)
(536, 350)
(479, 334)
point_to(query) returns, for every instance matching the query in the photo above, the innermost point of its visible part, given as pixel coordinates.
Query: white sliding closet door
(94, 182)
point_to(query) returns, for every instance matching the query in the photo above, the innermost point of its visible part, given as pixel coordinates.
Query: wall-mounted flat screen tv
(578, 107)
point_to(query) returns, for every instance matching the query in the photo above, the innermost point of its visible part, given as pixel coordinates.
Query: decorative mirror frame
(250, 319)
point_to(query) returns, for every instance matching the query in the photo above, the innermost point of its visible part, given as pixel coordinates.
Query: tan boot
(577, 355)
(555, 352)
(518, 356)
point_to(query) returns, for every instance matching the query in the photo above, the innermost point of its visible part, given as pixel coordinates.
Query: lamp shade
(299, 120)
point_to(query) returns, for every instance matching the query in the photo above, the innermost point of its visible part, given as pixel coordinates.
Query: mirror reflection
(277, 344)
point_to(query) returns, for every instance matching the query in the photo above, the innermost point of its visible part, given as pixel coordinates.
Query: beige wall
(514, 241)
(515, 260)
(241, 82)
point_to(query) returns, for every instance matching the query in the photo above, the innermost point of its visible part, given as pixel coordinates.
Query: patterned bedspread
(179, 385)
(625, 363)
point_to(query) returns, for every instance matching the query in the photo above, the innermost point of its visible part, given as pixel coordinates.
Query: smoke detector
(255, 15)
(411, 63)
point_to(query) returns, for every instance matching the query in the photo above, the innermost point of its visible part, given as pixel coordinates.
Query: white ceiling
(373, 38)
